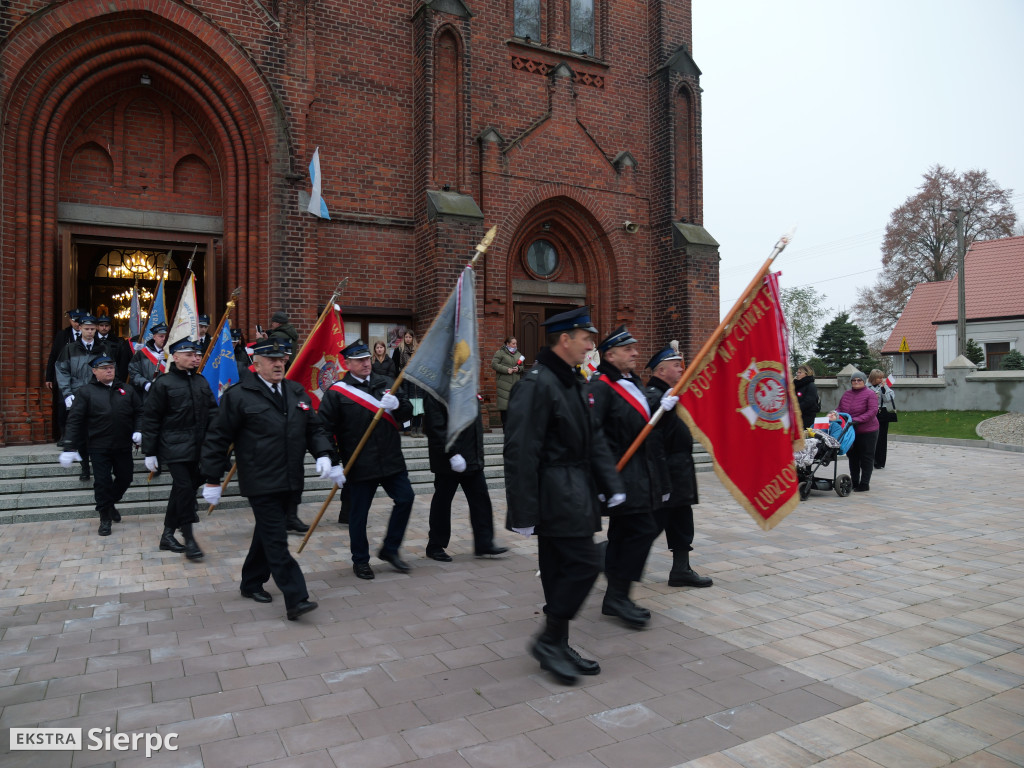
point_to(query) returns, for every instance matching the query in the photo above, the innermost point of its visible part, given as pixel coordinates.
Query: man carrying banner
(674, 515)
(272, 424)
(556, 460)
(347, 409)
(149, 361)
(619, 406)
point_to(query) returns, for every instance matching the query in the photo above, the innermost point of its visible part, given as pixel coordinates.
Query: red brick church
(138, 132)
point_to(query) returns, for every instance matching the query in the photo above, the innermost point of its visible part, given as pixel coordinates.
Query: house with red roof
(926, 331)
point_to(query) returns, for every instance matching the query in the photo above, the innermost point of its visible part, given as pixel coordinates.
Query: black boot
(550, 650)
(617, 603)
(294, 525)
(682, 575)
(583, 666)
(104, 529)
(168, 542)
(192, 550)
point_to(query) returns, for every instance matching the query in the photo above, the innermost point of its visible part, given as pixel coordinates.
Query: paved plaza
(883, 629)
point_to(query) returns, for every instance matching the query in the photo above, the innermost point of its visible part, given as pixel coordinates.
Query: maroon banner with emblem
(741, 405)
(318, 365)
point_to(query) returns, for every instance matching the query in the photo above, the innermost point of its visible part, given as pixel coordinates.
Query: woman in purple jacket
(862, 404)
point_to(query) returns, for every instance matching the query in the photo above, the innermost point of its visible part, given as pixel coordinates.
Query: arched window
(684, 151)
(581, 21)
(132, 263)
(448, 112)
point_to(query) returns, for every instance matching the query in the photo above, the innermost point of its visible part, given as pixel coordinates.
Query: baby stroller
(822, 449)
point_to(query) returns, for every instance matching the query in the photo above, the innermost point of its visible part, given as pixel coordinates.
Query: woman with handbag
(886, 413)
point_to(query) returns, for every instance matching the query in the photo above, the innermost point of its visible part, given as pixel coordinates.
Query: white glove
(615, 500)
(389, 401)
(458, 463)
(668, 402)
(152, 464)
(524, 531)
(212, 494)
(148, 385)
(66, 458)
(323, 467)
(600, 497)
(338, 475)
(137, 438)
(68, 401)
(666, 497)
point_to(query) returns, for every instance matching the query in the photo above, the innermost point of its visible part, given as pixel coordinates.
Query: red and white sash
(364, 399)
(154, 358)
(634, 398)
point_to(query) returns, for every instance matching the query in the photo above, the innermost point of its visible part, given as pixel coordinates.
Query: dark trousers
(568, 570)
(361, 492)
(629, 542)
(481, 516)
(112, 474)
(881, 447)
(268, 553)
(60, 413)
(504, 416)
(181, 504)
(677, 523)
(862, 457)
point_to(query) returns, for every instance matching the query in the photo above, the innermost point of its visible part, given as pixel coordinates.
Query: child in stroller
(821, 449)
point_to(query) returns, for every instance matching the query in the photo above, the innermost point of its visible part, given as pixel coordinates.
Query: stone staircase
(33, 485)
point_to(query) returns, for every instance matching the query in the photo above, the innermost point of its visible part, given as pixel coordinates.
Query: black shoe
(60, 443)
(192, 550)
(104, 529)
(583, 666)
(688, 578)
(343, 517)
(492, 551)
(363, 570)
(115, 515)
(554, 658)
(294, 525)
(396, 562)
(85, 475)
(440, 555)
(304, 607)
(617, 603)
(860, 488)
(262, 596)
(879, 466)
(169, 543)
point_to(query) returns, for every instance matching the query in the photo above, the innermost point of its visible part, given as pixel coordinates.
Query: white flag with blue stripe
(317, 206)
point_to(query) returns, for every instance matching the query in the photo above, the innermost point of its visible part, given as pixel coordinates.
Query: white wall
(987, 332)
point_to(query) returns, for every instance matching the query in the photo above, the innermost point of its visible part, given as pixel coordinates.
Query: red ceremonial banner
(318, 365)
(741, 405)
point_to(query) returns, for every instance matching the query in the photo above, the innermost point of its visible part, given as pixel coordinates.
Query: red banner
(740, 404)
(318, 365)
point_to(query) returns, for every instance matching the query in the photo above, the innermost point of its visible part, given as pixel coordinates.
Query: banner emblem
(763, 395)
(323, 374)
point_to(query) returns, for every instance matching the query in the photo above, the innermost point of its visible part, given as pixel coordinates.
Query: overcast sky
(826, 115)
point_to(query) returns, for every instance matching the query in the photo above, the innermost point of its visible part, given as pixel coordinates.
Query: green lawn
(941, 423)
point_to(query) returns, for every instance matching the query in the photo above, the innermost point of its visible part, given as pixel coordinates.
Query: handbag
(887, 416)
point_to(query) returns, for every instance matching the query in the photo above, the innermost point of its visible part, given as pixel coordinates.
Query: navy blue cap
(86, 320)
(203, 320)
(76, 313)
(666, 354)
(236, 334)
(570, 321)
(100, 360)
(273, 348)
(356, 350)
(159, 328)
(620, 337)
(185, 345)
(103, 319)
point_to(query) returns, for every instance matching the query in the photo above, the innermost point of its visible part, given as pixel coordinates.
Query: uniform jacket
(644, 475)
(469, 444)
(270, 443)
(176, 415)
(556, 458)
(104, 418)
(142, 370)
(502, 361)
(204, 343)
(73, 370)
(862, 405)
(61, 339)
(347, 421)
(287, 332)
(676, 448)
(120, 351)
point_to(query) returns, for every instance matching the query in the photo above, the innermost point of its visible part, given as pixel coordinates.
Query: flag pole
(232, 302)
(709, 345)
(481, 249)
(329, 305)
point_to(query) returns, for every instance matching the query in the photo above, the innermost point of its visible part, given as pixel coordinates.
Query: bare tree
(920, 239)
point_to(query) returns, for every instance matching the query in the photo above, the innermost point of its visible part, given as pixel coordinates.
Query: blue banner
(220, 369)
(157, 312)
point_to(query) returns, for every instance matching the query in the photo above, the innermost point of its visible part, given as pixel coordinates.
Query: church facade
(140, 136)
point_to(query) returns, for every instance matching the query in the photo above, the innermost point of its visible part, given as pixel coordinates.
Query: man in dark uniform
(460, 465)
(106, 415)
(346, 410)
(272, 424)
(674, 515)
(175, 418)
(203, 339)
(556, 463)
(620, 407)
(242, 359)
(119, 349)
(73, 372)
(149, 362)
(61, 339)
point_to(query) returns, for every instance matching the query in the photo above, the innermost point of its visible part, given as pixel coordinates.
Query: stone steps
(33, 485)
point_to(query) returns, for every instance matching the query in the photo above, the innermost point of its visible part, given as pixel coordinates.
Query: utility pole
(961, 288)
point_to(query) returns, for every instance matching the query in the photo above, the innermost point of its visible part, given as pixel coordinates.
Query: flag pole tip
(488, 239)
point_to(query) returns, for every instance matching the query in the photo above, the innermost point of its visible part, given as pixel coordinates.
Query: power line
(819, 282)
